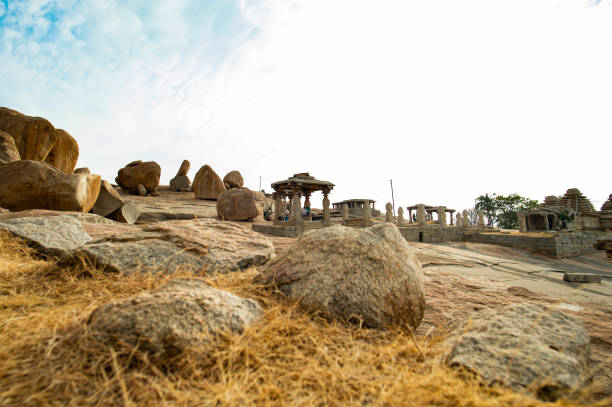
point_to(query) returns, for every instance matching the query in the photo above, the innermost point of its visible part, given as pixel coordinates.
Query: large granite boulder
(162, 324)
(50, 235)
(29, 184)
(200, 245)
(234, 179)
(139, 173)
(207, 184)
(37, 140)
(522, 346)
(181, 181)
(367, 275)
(8, 150)
(108, 200)
(237, 204)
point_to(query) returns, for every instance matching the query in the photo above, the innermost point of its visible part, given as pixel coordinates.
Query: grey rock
(201, 245)
(185, 313)
(522, 346)
(128, 213)
(53, 235)
(582, 277)
(179, 183)
(142, 190)
(108, 200)
(369, 275)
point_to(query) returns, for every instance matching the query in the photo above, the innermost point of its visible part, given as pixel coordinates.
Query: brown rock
(237, 204)
(8, 150)
(128, 213)
(184, 169)
(27, 184)
(368, 275)
(180, 183)
(83, 170)
(36, 139)
(138, 172)
(108, 200)
(234, 179)
(207, 184)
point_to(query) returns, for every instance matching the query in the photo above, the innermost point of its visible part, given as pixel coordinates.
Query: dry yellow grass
(292, 357)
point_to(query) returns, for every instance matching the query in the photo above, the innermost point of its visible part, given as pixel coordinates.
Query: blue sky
(450, 99)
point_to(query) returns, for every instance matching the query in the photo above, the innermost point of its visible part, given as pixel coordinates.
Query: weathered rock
(581, 277)
(183, 169)
(522, 346)
(202, 245)
(29, 184)
(127, 213)
(182, 314)
(234, 179)
(108, 200)
(8, 150)
(52, 235)
(37, 140)
(138, 172)
(180, 183)
(83, 170)
(2, 210)
(142, 190)
(207, 184)
(237, 204)
(369, 274)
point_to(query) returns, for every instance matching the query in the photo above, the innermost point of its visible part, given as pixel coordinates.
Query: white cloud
(450, 99)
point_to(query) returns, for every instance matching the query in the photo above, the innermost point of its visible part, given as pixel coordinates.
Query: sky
(449, 99)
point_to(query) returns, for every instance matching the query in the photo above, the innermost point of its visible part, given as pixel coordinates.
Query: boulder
(201, 245)
(83, 170)
(108, 200)
(50, 235)
(184, 168)
(180, 183)
(142, 190)
(237, 204)
(29, 184)
(234, 179)
(8, 150)
(37, 140)
(127, 213)
(207, 184)
(367, 275)
(162, 324)
(522, 346)
(138, 172)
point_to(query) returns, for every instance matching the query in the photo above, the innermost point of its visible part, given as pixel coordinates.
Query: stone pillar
(522, 222)
(307, 204)
(451, 218)
(345, 213)
(459, 220)
(367, 215)
(389, 212)
(441, 216)
(481, 222)
(325, 209)
(278, 211)
(410, 216)
(295, 215)
(466, 218)
(400, 216)
(421, 215)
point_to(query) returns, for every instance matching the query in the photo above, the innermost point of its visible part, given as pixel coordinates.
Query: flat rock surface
(54, 236)
(202, 245)
(164, 323)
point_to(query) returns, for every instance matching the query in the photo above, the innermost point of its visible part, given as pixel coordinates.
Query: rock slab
(367, 275)
(207, 184)
(522, 346)
(52, 235)
(237, 204)
(201, 245)
(182, 314)
(582, 277)
(27, 184)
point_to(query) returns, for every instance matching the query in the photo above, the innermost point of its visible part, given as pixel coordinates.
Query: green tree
(486, 204)
(508, 208)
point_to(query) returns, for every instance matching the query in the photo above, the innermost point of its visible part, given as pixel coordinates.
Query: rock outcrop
(8, 150)
(234, 179)
(138, 172)
(29, 184)
(50, 235)
(181, 181)
(182, 314)
(207, 184)
(201, 245)
(522, 346)
(237, 204)
(37, 140)
(367, 275)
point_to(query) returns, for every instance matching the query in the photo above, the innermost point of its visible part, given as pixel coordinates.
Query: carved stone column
(345, 213)
(325, 209)
(367, 214)
(400, 216)
(466, 218)
(522, 222)
(389, 212)
(278, 205)
(459, 220)
(307, 204)
(421, 215)
(441, 216)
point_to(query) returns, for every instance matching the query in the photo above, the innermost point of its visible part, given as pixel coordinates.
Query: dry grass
(47, 356)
